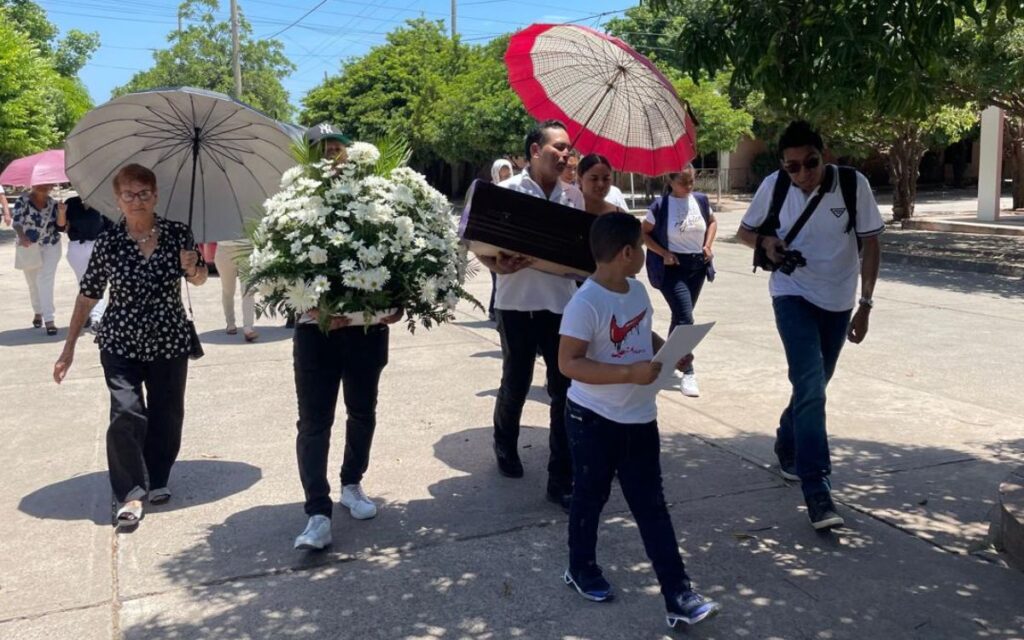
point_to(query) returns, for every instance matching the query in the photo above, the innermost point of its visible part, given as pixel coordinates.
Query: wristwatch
(867, 302)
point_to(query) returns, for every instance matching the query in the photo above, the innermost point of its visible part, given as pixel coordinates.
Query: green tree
(200, 56)
(723, 120)
(838, 61)
(66, 57)
(479, 117)
(394, 88)
(989, 68)
(27, 112)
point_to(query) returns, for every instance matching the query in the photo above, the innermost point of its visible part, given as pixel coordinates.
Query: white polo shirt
(530, 289)
(833, 265)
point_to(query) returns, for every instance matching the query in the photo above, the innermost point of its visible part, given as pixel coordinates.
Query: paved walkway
(924, 418)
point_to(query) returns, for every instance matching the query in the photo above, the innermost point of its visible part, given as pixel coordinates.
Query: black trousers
(147, 408)
(352, 359)
(523, 333)
(601, 450)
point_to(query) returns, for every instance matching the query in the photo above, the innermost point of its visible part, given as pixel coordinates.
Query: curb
(1008, 529)
(948, 226)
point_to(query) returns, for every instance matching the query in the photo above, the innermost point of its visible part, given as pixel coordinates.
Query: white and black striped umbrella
(216, 159)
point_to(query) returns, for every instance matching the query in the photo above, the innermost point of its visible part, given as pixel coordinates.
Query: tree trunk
(1015, 142)
(904, 160)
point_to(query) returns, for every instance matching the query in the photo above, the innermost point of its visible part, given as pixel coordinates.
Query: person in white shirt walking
(227, 257)
(529, 304)
(679, 231)
(809, 219)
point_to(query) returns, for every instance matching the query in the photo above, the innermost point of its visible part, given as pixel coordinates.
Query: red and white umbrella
(40, 168)
(613, 100)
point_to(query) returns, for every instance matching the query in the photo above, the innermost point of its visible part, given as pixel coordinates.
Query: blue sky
(337, 30)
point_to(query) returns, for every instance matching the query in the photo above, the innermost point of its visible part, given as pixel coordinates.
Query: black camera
(791, 259)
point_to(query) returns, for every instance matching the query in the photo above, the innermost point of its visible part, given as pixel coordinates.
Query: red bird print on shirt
(618, 334)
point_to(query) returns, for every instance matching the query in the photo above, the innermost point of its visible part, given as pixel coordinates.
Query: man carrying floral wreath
(353, 241)
(529, 304)
(353, 358)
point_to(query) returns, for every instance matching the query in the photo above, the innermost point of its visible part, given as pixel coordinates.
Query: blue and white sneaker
(689, 607)
(593, 587)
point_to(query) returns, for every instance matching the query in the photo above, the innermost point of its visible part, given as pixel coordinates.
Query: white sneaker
(689, 386)
(361, 507)
(317, 535)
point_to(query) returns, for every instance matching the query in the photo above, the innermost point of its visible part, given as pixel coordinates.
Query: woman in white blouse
(679, 231)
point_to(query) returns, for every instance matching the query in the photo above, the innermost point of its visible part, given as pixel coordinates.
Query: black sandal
(37, 321)
(51, 329)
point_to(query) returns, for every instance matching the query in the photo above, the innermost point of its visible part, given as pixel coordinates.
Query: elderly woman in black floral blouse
(144, 339)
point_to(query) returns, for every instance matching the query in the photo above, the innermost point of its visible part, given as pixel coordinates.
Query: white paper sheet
(683, 340)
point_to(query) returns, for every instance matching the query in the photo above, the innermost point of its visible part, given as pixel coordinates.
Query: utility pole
(235, 62)
(454, 29)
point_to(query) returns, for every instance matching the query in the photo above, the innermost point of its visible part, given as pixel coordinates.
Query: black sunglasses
(810, 164)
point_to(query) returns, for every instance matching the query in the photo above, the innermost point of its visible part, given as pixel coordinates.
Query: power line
(301, 18)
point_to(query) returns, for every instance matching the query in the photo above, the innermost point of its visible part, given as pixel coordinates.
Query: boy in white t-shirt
(606, 349)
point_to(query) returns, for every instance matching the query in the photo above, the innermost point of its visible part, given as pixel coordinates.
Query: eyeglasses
(129, 197)
(810, 164)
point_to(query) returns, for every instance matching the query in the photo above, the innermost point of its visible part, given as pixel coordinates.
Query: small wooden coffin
(502, 220)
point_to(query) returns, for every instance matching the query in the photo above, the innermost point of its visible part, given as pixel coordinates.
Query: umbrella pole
(611, 85)
(195, 162)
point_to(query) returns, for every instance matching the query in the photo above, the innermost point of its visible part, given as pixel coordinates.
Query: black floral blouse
(145, 319)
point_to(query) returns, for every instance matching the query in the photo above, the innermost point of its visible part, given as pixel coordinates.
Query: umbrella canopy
(612, 99)
(40, 168)
(216, 159)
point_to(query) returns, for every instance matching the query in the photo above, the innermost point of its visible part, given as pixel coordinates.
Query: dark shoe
(590, 585)
(51, 329)
(37, 321)
(509, 464)
(822, 512)
(787, 462)
(560, 496)
(689, 607)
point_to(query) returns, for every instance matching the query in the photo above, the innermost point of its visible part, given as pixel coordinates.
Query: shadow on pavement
(267, 334)
(741, 529)
(31, 335)
(88, 496)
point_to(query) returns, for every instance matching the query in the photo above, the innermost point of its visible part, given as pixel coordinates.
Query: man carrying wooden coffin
(528, 305)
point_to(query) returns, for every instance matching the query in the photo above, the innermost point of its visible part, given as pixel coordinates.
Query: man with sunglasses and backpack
(816, 227)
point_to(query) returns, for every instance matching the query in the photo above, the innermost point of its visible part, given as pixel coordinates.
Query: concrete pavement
(924, 419)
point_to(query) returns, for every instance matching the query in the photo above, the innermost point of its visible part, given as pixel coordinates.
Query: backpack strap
(848, 187)
(779, 192)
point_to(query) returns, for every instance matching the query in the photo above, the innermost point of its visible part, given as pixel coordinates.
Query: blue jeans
(681, 287)
(812, 338)
(602, 449)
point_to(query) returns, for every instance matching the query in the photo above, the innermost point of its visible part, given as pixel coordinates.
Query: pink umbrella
(613, 100)
(40, 168)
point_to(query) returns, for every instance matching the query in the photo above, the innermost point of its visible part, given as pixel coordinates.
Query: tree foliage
(451, 101)
(722, 123)
(41, 97)
(37, 104)
(875, 75)
(200, 56)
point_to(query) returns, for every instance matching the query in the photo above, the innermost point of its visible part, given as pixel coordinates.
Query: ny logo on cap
(326, 128)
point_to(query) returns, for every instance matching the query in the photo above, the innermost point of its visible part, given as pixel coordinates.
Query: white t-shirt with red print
(617, 327)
